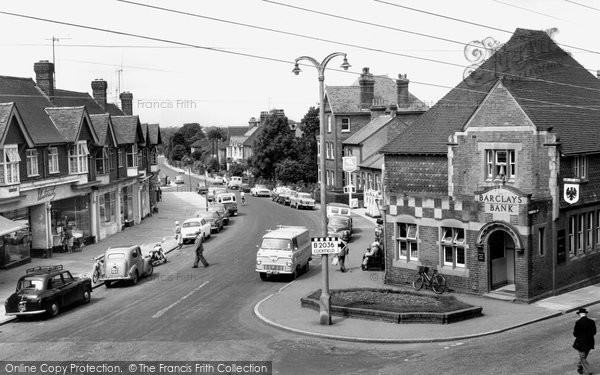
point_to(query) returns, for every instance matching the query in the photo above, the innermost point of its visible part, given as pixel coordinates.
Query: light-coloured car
(197, 226)
(229, 201)
(338, 209)
(301, 200)
(125, 263)
(179, 179)
(260, 191)
(218, 181)
(235, 182)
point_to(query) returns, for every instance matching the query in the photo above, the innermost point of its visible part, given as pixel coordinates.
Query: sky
(226, 61)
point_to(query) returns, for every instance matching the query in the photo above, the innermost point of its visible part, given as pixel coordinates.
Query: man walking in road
(199, 249)
(584, 332)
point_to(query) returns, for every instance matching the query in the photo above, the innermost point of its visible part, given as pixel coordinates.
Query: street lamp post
(325, 300)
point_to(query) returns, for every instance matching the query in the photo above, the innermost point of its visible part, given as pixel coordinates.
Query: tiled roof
(346, 99)
(154, 133)
(30, 101)
(374, 161)
(234, 131)
(100, 122)
(252, 135)
(376, 124)
(126, 128)
(5, 111)
(112, 109)
(552, 88)
(67, 98)
(144, 133)
(67, 120)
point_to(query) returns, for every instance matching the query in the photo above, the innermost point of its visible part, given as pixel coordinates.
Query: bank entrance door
(502, 260)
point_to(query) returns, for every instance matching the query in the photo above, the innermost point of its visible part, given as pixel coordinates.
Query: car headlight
(288, 263)
(258, 262)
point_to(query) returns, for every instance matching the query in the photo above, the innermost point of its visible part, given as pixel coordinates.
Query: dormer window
(78, 155)
(9, 165)
(32, 162)
(132, 157)
(53, 160)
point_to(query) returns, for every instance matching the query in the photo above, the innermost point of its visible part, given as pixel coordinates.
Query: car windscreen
(116, 255)
(30, 283)
(304, 195)
(276, 244)
(191, 224)
(338, 221)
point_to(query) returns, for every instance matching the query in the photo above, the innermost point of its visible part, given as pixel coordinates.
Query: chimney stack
(367, 89)
(99, 92)
(44, 77)
(126, 102)
(393, 109)
(402, 89)
(252, 122)
(377, 109)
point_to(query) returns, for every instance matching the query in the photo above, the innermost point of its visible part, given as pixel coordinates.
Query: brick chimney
(393, 109)
(252, 122)
(367, 89)
(402, 90)
(99, 92)
(44, 77)
(126, 102)
(377, 109)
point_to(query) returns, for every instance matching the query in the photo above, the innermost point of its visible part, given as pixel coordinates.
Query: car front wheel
(53, 309)
(86, 296)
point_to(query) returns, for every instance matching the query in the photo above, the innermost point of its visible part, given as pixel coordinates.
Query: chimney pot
(99, 92)
(126, 102)
(393, 109)
(44, 77)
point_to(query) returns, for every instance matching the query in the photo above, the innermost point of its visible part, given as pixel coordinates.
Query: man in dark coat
(199, 249)
(584, 332)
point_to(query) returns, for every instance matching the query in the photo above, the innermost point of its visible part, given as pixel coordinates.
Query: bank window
(329, 123)
(406, 242)
(501, 164)
(580, 166)
(453, 247)
(580, 227)
(345, 125)
(78, 155)
(597, 228)
(32, 162)
(132, 157)
(53, 160)
(9, 165)
(572, 236)
(541, 241)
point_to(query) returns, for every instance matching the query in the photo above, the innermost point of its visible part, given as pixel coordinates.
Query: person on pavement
(178, 236)
(584, 332)
(342, 257)
(373, 251)
(199, 249)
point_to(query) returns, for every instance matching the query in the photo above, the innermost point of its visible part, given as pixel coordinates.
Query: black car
(46, 290)
(341, 226)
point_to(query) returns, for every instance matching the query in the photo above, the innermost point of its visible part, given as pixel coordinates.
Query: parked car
(287, 198)
(213, 192)
(202, 188)
(220, 207)
(125, 263)
(235, 182)
(283, 195)
(229, 201)
(215, 219)
(299, 199)
(191, 227)
(260, 191)
(245, 188)
(179, 179)
(218, 181)
(275, 193)
(341, 226)
(47, 290)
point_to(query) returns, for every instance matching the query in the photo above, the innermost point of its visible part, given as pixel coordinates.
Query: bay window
(132, 156)
(78, 158)
(9, 165)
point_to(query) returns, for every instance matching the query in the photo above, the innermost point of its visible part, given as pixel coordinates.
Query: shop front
(108, 221)
(70, 213)
(127, 212)
(15, 238)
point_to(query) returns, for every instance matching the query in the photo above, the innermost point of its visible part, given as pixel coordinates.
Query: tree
(216, 134)
(237, 169)
(197, 155)
(289, 171)
(178, 152)
(274, 144)
(307, 144)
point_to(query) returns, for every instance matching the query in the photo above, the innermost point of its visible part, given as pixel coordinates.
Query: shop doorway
(502, 261)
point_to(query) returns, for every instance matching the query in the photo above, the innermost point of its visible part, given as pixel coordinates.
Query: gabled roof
(252, 135)
(145, 137)
(551, 87)
(8, 111)
(112, 109)
(127, 129)
(69, 120)
(346, 99)
(374, 161)
(154, 134)
(103, 126)
(367, 130)
(234, 131)
(31, 101)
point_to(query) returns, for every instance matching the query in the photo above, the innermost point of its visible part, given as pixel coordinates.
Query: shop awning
(8, 226)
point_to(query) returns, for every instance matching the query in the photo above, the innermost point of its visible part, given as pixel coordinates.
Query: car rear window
(116, 255)
(29, 283)
(276, 243)
(191, 224)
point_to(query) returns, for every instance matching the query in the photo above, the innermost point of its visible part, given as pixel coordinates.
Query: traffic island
(394, 306)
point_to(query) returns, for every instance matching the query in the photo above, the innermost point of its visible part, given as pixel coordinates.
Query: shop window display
(16, 246)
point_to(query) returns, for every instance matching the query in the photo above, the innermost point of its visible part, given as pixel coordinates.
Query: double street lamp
(325, 300)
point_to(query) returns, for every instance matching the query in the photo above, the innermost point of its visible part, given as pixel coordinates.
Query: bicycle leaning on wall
(436, 282)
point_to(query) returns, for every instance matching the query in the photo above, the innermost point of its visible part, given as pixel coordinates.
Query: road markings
(161, 312)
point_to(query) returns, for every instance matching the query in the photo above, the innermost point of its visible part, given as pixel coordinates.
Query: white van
(235, 182)
(285, 250)
(229, 201)
(338, 209)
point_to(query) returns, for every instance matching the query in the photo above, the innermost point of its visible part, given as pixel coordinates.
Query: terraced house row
(69, 161)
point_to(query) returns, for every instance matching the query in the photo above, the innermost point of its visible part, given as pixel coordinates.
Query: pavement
(283, 310)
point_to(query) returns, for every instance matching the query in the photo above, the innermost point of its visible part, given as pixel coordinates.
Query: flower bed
(394, 305)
